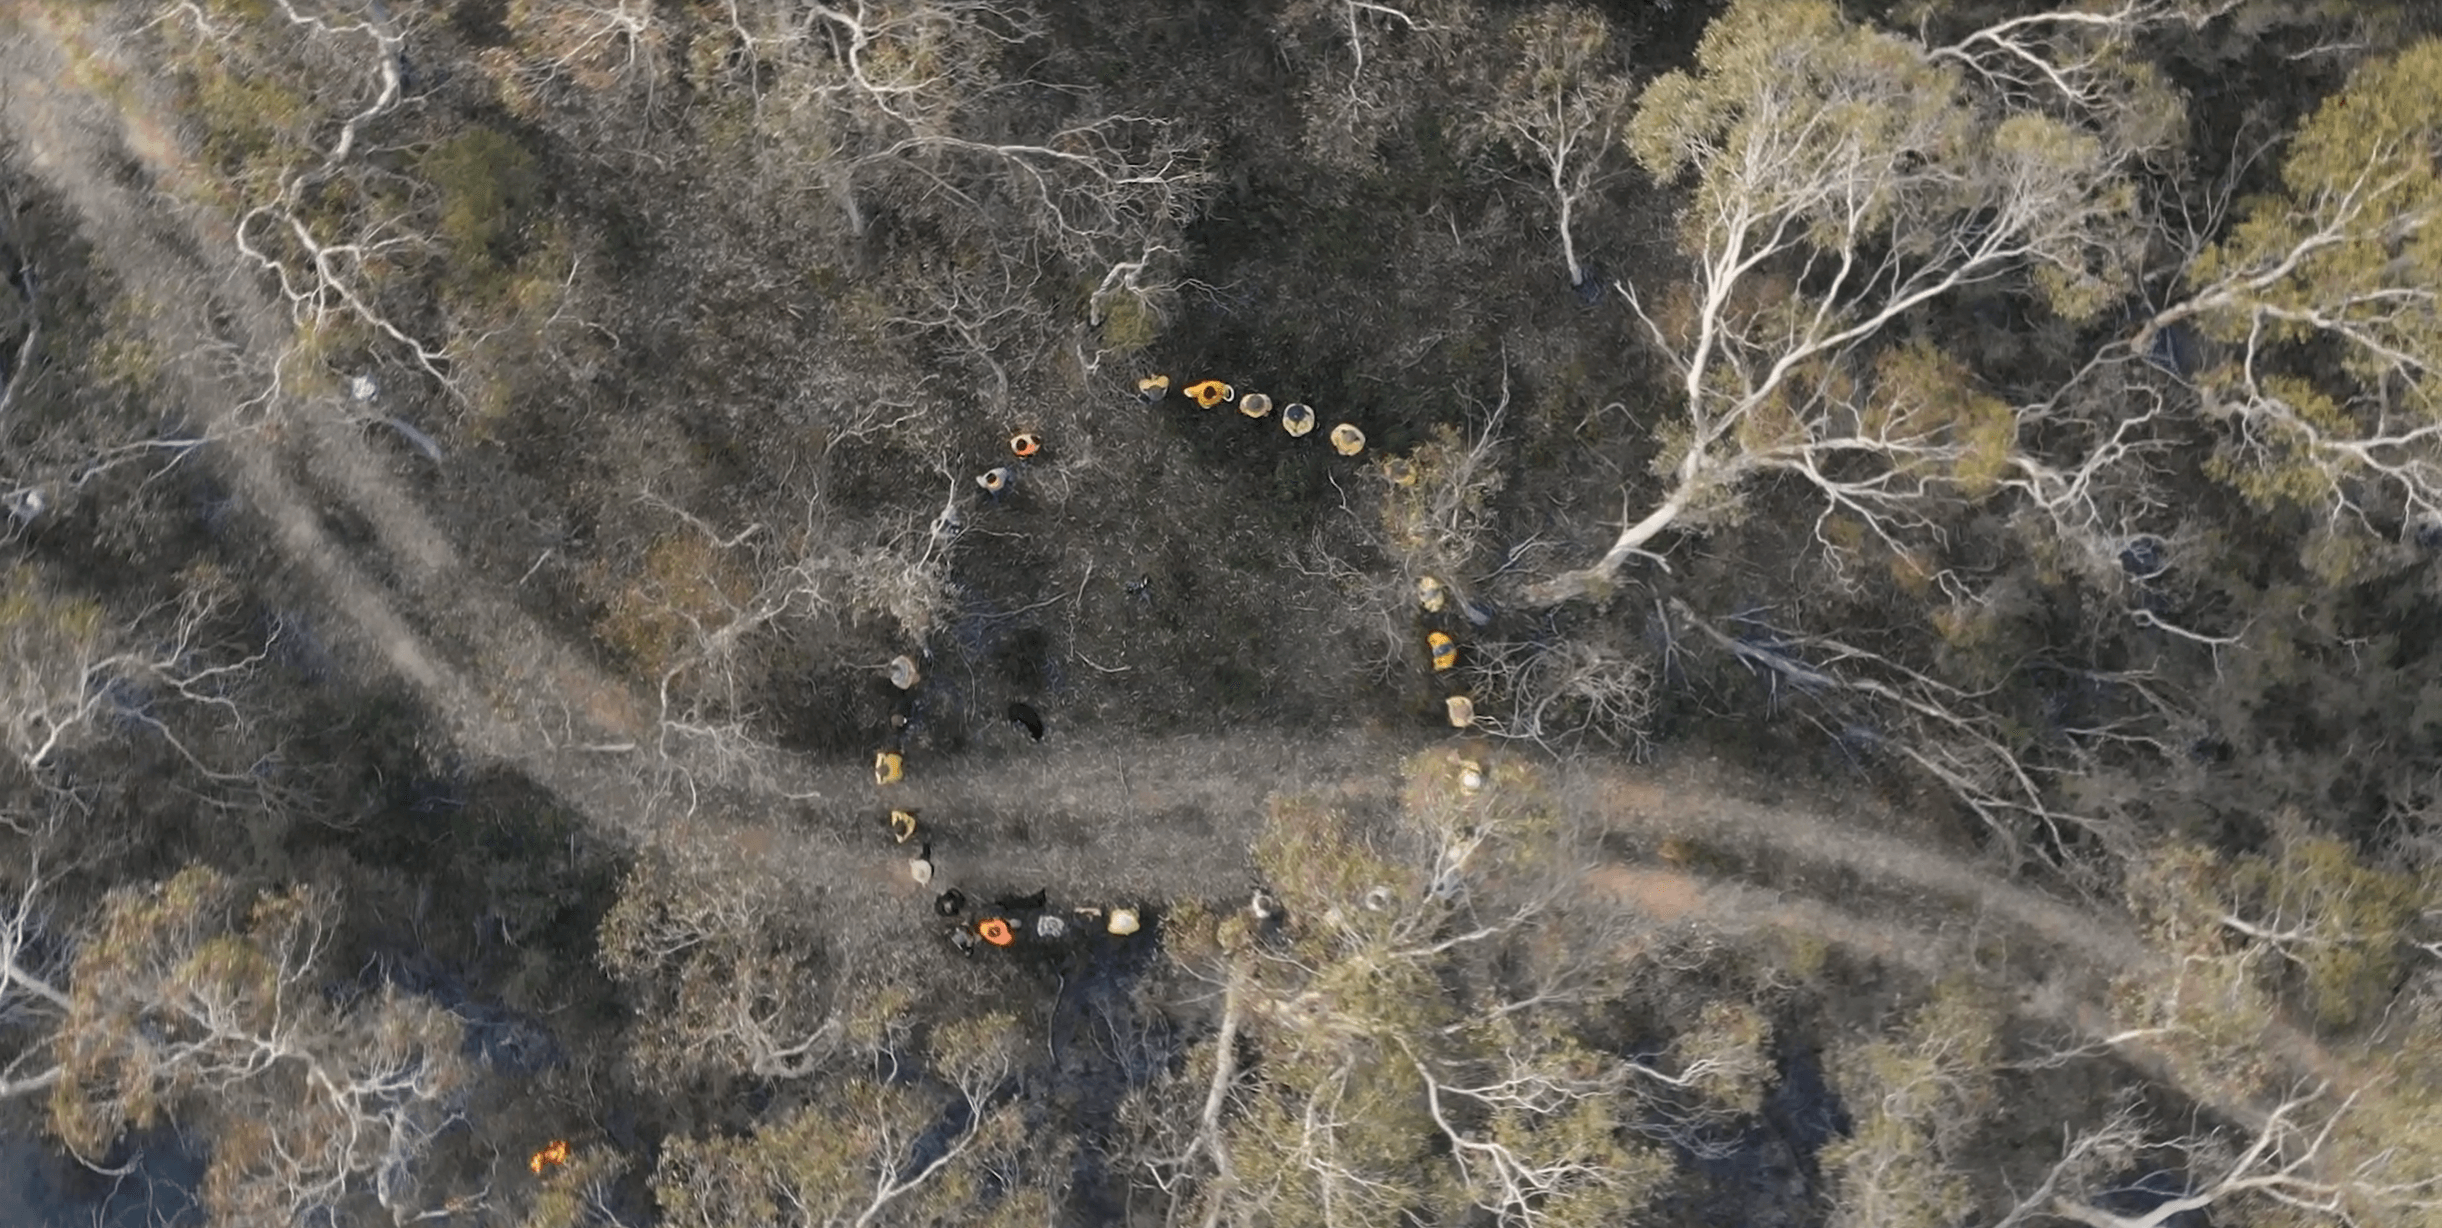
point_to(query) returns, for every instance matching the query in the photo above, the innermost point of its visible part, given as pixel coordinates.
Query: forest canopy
(1464, 612)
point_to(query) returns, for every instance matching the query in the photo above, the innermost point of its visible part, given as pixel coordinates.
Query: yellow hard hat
(1347, 440)
(903, 825)
(1297, 418)
(1462, 714)
(1254, 405)
(1444, 649)
(887, 767)
(1211, 392)
(1430, 594)
(1153, 387)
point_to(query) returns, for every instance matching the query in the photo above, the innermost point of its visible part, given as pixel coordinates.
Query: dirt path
(1700, 801)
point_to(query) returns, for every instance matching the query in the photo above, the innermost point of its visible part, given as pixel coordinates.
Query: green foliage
(1566, 48)
(516, 327)
(1918, 1097)
(192, 998)
(2040, 148)
(940, 1151)
(1887, 1174)
(1566, 86)
(42, 630)
(253, 121)
(1755, 60)
(126, 357)
(2339, 554)
(1435, 519)
(570, 1194)
(1384, 1046)
(1921, 393)
(1129, 324)
(1844, 179)
(706, 939)
(2340, 925)
(1430, 945)
(1310, 858)
(2391, 1136)
(488, 185)
(688, 587)
(1790, 97)
(2210, 1001)
(2328, 282)
(1731, 1043)
(2309, 915)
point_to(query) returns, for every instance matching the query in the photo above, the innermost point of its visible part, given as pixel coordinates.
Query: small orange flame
(555, 1153)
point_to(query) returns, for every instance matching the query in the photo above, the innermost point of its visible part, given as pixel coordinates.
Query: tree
(319, 219)
(1406, 1028)
(1959, 733)
(1918, 1099)
(1556, 694)
(2283, 1170)
(2314, 1133)
(31, 972)
(193, 996)
(2323, 296)
(70, 675)
(23, 315)
(1843, 179)
(944, 1144)
(724, 984)
(1562, 110)
(1437, 512)
(2306, 918)
(883, 97)
(594, 45)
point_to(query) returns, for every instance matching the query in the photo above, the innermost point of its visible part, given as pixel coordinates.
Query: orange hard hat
(1024, 444)
(995, 931)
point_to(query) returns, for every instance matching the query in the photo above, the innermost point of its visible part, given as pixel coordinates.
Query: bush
(687, 585)
(488, 183)
(1129, 324)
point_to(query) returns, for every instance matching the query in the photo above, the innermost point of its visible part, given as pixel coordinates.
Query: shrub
(487, 183)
